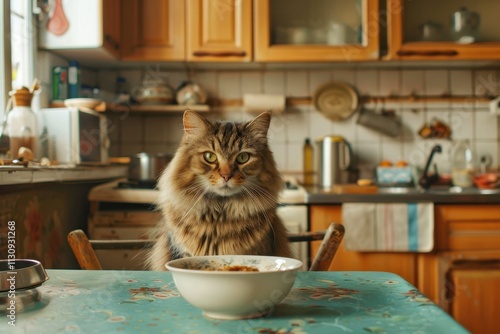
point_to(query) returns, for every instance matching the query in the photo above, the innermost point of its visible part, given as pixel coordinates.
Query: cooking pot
(146, 167)
(334, 160)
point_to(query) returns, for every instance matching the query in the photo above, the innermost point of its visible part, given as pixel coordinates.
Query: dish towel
(397, 227)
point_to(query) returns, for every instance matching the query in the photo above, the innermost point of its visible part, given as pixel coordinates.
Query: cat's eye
(243, 157)
(210, 157)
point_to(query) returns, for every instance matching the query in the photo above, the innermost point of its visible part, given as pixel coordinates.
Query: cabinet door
(111, 12)
(153, 30)
(219, 30)
(316, 30)
(403, 264)
(423, 30)
(474, 298)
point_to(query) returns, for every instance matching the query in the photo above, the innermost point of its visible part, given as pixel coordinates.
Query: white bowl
(234, 294)
(82, 102)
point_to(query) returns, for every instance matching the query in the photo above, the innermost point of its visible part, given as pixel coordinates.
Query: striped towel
(397, 227)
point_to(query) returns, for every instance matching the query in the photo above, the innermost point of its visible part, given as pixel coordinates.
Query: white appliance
(75, 136)
(118, 212)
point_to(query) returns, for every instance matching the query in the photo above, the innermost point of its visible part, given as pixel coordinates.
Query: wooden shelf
(170, 108)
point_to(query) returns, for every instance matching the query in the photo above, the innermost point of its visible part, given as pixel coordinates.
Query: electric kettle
(333, 160)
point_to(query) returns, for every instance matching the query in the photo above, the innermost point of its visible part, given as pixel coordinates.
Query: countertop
(148, 301)
(11, 175)
(437, 195)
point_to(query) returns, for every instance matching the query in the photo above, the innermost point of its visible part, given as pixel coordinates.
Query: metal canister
(333, 160)
(59, 83)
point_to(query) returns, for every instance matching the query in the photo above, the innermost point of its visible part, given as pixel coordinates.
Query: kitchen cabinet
(296, 30)
(193, 30)
(423, 30)
(219, 30)
(153, 30)
(403, 264)
(85, 31)
(463, 274)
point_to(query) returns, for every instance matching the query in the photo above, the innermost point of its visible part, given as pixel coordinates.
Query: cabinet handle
(219, 53)
(112, 41)
(448, 53)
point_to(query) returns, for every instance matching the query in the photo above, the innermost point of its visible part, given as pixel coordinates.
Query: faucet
(426, 180)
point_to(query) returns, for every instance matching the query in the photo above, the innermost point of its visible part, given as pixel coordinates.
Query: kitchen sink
(436, 190)
(399, 190)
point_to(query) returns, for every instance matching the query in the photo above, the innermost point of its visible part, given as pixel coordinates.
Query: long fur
(221, 207)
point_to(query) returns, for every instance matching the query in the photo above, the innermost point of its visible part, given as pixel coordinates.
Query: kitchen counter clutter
(10, 175)
(436, 195)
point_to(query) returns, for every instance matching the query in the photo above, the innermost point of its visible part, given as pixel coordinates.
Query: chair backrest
(84, 249)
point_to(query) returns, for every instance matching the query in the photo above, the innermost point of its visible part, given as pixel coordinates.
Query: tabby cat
(219, 193)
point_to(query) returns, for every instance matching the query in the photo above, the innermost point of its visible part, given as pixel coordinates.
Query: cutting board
(354, 189)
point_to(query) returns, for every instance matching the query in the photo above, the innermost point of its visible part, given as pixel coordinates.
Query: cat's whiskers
(266, 195)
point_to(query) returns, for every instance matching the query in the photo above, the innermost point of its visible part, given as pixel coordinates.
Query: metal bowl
(21, 274)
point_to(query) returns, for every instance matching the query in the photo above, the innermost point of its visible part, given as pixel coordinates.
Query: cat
(219, 193)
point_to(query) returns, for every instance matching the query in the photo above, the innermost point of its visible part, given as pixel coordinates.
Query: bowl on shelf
(82, 102)
(155, 95)
(234, 286)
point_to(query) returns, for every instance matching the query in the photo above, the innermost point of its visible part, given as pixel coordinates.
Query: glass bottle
(462, 165)
(308, 169)
(21, 123)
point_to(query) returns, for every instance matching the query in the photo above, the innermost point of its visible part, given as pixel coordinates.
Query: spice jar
(21, 122)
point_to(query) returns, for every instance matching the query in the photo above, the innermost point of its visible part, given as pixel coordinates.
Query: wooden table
(74, 301)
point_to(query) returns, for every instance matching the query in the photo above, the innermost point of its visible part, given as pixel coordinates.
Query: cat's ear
(260, 124)
(194, 124)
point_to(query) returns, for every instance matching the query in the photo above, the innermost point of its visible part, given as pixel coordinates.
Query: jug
(21, 122)
(333, 160)
(465, 26)
(462, 164)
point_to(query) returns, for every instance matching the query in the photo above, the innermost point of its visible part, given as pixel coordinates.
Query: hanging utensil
(58, 23)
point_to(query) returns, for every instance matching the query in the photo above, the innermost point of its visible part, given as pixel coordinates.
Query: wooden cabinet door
(219, 30)
(403, 264)
(425, 32)
(334, 30)
(153, 30)
(111, 12)
(474, 297)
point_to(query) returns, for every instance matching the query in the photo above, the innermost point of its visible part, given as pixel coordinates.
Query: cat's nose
(226, 177)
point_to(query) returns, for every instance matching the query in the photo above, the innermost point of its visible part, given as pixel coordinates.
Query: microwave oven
(75, 136)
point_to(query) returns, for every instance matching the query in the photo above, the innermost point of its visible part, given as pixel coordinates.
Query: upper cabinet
(219, 30)
(82, 30)
(153, 30)
(443, 30)
(316, 30)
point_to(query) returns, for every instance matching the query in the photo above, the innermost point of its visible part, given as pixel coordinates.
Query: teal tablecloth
(76, 301)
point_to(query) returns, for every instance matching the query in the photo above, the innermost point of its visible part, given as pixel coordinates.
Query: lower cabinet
(403, 264)
(461, 275)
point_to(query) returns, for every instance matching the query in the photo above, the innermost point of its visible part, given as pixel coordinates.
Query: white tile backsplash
(297, 84)
(229, 85)
(412, 82)
(274, 82)
(251, 83)
(136, 132)
(436, 82)
(461, 82)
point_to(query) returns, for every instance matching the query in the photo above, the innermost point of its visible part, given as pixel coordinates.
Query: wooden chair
(83, 248)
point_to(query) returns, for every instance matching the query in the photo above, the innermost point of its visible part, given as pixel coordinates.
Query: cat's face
(227, 158)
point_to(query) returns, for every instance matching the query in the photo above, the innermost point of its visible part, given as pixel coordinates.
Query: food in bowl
(234, 294)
